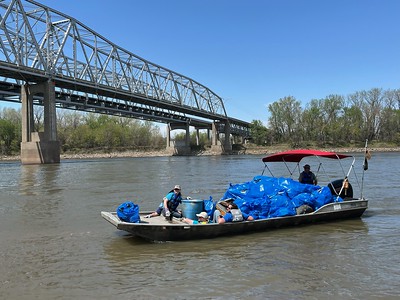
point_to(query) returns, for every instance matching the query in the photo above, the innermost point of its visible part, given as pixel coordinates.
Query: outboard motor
(336, 186)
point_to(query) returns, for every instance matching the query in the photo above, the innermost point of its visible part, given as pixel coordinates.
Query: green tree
(390, 125)
(332, 111)
(285, 116)
(390, 117)
(370, 103)
(7, 136)
(259, 133)
(201, 141)
(83, 137)
(11, 138)
(109, 135)
(352, 124)
(312, 121)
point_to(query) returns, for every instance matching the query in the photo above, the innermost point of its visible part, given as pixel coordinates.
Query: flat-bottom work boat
(303, 203)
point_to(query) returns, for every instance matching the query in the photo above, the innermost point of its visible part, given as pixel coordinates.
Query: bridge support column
(197, 137)
(168, 128)
(187, 139)
(216, 146)
(39, 147)
(227, 141)
(215, 143)
(178, 147)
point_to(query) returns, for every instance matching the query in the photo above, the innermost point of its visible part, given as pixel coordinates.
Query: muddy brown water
(55, 245)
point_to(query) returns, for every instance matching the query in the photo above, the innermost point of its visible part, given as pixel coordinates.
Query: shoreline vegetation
(250, 150)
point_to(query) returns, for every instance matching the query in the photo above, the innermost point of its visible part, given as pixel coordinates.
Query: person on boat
(307, 176)
(202, 218)
(231, 215)
(169, 206)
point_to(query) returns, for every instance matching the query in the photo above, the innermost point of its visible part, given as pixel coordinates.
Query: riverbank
(252, 150)
(99, 155)
(270, 150)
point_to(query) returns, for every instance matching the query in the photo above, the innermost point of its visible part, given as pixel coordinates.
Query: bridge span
(48, 58)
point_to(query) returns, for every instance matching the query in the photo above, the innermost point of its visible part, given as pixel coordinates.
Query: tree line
(334, 120)
(78, 131)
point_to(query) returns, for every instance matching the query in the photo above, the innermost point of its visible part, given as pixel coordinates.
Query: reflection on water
(54, 244)
(116, 247)
(38, 179)
(41, 188)
(278, 255)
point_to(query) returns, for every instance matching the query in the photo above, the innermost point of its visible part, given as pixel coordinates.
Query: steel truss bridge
(93, 74)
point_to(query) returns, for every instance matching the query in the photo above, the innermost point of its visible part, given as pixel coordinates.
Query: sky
(254, 52)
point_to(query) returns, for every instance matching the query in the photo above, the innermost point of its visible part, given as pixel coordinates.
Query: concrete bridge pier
(178, 147)
(227, 140)
(39, 147)
(218, 146)
(197, 136)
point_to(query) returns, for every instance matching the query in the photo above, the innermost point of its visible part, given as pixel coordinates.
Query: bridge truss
(91, 73)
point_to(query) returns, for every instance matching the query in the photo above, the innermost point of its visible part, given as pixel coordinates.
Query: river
(55, 245)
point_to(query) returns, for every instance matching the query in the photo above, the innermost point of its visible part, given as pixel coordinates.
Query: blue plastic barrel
(191, 207)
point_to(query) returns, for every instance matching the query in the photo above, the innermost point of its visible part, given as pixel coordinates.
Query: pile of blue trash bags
(262, 198)
(268, 197)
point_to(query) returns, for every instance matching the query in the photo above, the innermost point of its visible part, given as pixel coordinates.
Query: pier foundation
(39, 147)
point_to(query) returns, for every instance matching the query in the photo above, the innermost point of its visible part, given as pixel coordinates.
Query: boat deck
(160, 220)
(154, 221)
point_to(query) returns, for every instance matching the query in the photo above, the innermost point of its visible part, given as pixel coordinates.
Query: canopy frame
(296, 156)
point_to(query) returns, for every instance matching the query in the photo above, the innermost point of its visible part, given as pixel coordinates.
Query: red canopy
(298, 155)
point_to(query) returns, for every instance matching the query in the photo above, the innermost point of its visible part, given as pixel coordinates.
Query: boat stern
(358, 206)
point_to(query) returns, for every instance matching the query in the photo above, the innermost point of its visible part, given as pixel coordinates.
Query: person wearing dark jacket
(307, 176)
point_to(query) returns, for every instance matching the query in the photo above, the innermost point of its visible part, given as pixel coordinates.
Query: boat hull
(162, 230)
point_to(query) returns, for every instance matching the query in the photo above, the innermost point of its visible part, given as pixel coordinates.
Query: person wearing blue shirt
(202, 218)
(229, 217)
(169, 206)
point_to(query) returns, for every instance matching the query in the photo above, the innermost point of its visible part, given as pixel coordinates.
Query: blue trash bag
(209, 206)
(281, 206)
(128, 212)
(236, 191)
(323, 196)
(303, 199)
(294, 188)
